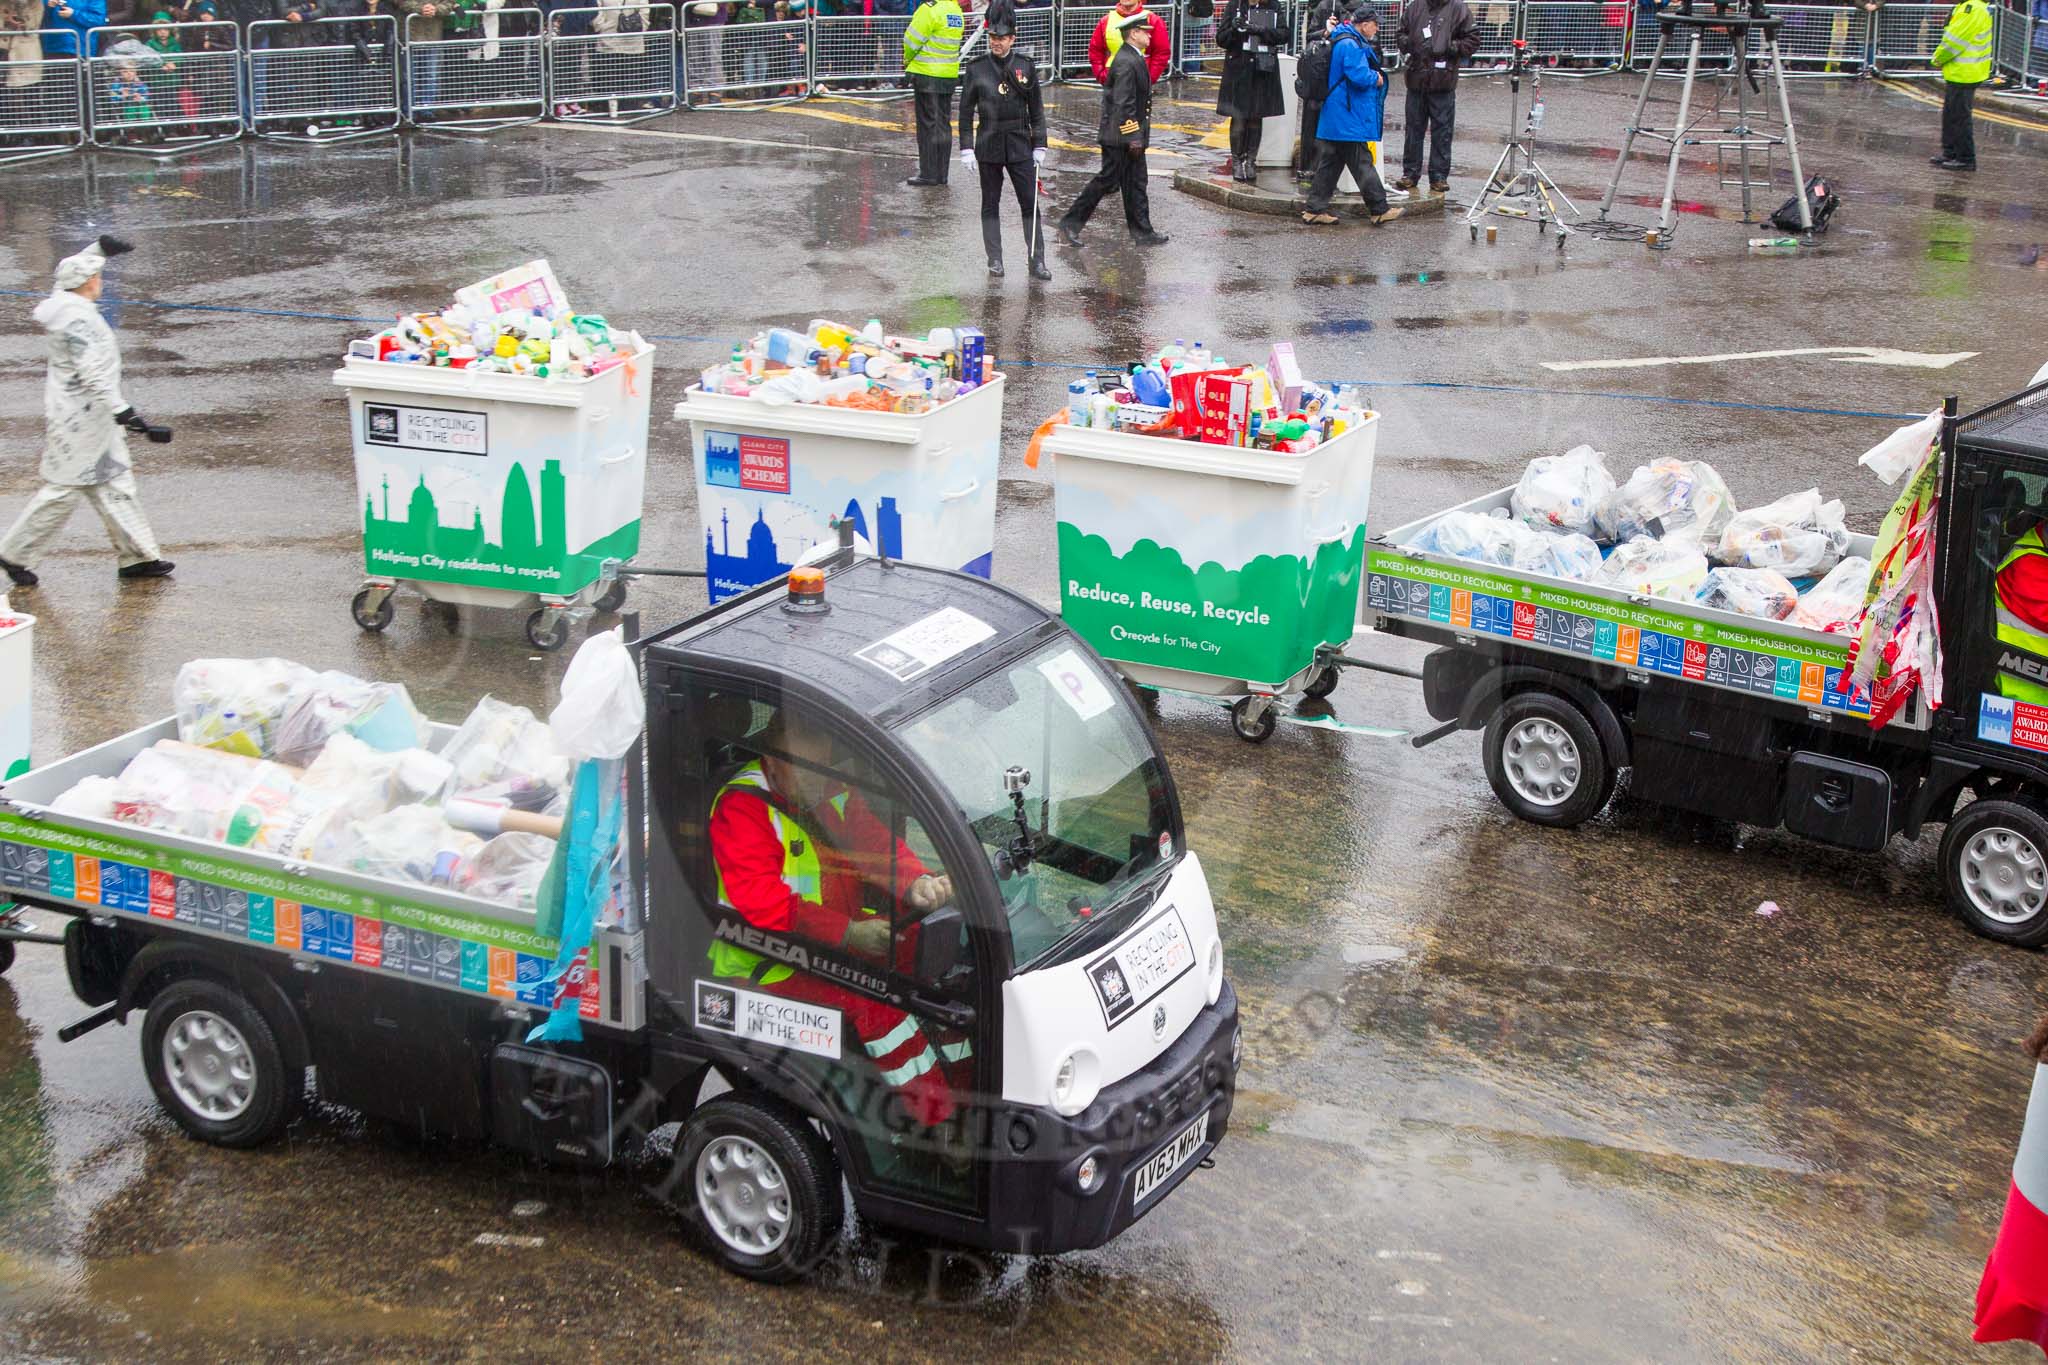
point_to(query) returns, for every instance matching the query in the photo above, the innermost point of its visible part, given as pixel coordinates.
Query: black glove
(113, 246)
(362, 47)
(136, 422)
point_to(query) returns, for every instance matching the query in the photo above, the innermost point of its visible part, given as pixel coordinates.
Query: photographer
(1436, 37)
(1251, 36)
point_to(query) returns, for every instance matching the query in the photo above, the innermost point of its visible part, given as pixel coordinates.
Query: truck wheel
(215, 1065)
(1994, 863)
(763, 1187)
(1545, 762)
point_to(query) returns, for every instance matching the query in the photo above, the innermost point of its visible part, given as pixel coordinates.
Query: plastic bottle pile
(327, 768)
(1188, 393)
(517, 323)
(1672, 531)
(843, 366)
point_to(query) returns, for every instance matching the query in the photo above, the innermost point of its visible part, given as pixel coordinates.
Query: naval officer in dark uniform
(1125, 131)
(999, 89)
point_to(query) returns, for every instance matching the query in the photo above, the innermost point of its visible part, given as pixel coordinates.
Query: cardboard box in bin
(1225, 405)
(1187, 408)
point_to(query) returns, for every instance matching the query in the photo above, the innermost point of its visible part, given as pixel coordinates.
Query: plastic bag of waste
(1753, 592)
(795, 386)
(1655, 568)
(94, 798)
(1497, 540)
(352, 775)
(508, 869)
(502, 743)
(1571, 555)
(236, 704)
(380, 714)
(1559, 492)
(180, 788)
(1835, 603)
(407, 843)
(1667, 497)
(1799, 535)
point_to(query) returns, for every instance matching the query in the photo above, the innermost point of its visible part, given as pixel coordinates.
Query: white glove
(967, 158)
(1038, 156)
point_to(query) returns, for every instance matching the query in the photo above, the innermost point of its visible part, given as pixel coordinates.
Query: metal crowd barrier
(330, 80)
(745, 64)
(2023, 48)
(1076, 26)
(1497, 19)
(612, 64)
(160, 104)
(1197, 51)
(1823, 40)
(860, 56)
(479, 79)
(42, 106)
(1037, 38)
(1578, 30)
(1906, 38)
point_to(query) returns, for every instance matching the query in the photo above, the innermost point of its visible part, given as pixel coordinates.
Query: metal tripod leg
(1635, 123)
(1668, 219)
(1742, 129)
(1791, 137)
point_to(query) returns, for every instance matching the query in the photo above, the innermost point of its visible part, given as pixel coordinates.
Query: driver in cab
(798, 852)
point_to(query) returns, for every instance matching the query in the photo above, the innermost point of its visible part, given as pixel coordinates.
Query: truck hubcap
(1541, 761)
(2004, 875)
(743, 1195)
(208, 1064)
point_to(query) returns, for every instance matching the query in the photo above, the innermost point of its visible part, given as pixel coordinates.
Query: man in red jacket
(1107, 40)
(797, 852)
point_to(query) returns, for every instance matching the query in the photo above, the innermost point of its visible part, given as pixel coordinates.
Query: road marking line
(1396, 1254)
(1853, 355)
(506, 1239)
(1988, 115)
(835, 116)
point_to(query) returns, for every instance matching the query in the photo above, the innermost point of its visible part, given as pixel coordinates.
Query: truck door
(2001, 648)
(809, 882)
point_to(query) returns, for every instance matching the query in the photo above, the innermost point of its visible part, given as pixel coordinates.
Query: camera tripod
(1740, 138)
(1518, 175)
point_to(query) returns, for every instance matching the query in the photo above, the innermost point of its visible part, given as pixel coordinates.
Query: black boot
(149, 568)
(992, 243)
(1038, 270)
(21, 577)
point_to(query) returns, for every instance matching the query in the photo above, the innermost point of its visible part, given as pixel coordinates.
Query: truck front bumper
(1155, 1127)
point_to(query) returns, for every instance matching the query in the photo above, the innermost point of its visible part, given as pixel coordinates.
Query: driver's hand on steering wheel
(929, 892)
(869, 937)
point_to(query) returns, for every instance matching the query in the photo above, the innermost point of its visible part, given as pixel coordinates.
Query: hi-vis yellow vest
(1965, 52)
(2015, 634)
(801, 873)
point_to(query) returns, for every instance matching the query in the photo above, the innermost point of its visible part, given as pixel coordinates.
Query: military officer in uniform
(1126, 129)
(999, 90)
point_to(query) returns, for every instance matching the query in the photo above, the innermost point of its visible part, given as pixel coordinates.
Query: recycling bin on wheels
(498, 490)
(1220, 570)
(17, 676)
(772, 477)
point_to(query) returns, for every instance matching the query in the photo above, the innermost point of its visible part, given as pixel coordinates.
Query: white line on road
(506, 1239)
(1853, 355)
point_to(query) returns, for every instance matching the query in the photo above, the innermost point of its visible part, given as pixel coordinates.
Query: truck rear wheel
(215, 1064)
(1544, 761)
(763, 1187)
(1994, 864)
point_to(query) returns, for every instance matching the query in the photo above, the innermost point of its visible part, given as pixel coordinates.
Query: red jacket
(749, 858)
(2023, 589)
(1157, 59)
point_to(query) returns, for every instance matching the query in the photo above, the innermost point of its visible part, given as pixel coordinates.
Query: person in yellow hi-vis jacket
(931, 58)
(1965, 61)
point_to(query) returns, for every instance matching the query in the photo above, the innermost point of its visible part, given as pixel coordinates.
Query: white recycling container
(17, 676)
(1213, 569)
(495, 490)
(771, 477)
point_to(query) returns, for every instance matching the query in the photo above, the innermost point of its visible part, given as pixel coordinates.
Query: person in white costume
(85, 450)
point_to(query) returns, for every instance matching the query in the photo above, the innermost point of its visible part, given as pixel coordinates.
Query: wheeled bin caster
(371, 607)
(1323, 683)
(547, 629)
(613, 597)
(1254, 719)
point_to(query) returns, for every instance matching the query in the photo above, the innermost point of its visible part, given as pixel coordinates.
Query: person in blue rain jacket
(65, 23)
(1353, 115)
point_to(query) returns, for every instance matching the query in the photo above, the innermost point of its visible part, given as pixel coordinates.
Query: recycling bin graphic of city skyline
(531, 554)
(763, 558)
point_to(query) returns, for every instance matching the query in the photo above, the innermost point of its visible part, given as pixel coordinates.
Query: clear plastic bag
(1509, 544)
(508, 869)
(502, 743)
(1799, 535)
(352, 775)
(406, 843)
(1664, 498)
(236, 704)
(602, 707)
(1835, 604)
(1753, 592)
(380, 714)
(1559, 492)
(1655, 568)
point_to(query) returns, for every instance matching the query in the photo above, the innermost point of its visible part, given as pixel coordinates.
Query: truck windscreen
(1062, 785)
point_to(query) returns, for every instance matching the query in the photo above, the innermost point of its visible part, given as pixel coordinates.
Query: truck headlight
(1215, 972)
(1236, 1048)
(1076, 1080)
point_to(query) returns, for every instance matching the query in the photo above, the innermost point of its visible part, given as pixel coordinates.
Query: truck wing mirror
(938, 944)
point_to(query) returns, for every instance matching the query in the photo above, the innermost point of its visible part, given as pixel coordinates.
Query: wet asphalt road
(1509, 1094)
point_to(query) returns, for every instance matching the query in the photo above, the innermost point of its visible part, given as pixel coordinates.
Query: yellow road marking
(836, 116)
(1988, 115)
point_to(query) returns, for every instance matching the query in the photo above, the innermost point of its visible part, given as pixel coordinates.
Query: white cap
(75, 270)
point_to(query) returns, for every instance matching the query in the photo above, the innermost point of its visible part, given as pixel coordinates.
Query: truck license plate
(1170, 1158)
